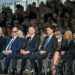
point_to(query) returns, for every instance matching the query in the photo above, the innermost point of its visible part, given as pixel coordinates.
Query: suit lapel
(32, 39)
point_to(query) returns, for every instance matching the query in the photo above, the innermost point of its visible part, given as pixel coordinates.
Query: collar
(50, 36)
(15, 37)
(32, 36)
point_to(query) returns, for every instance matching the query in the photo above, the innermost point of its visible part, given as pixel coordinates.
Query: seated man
(49, 46)
(30, 47)
(12, 45)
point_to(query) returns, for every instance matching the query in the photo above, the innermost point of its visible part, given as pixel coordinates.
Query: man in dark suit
(12, 45)
(2, 41)
(49, 46)
(30, 47)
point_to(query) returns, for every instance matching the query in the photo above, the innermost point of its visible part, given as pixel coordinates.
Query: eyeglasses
(14, 31)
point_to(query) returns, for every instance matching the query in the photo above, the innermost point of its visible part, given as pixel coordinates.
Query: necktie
(47, 41)
(29, 40)
(10, 43)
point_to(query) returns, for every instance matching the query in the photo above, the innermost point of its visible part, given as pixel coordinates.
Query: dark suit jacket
(33, 45)
(72, 47)
(2, 42)
(65, 46)
(16, 45)
(51, 46)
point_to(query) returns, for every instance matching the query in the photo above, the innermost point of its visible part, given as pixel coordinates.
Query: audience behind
(52, 17)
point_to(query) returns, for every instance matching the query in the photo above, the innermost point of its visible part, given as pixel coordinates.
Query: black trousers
(39, 57)
(14, 60)
(68, 59)
(72, 57)
(24, 59)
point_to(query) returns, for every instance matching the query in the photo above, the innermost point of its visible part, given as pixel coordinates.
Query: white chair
(2, 63)
(46, 63)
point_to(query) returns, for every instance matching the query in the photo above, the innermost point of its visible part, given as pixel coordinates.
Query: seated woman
(57, 54)
(65, 46)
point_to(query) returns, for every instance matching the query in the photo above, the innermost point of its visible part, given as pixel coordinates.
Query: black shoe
(70, 73)
(20, 73)
(13, 72)
(40, 73)
(1, 72)
(5, 72)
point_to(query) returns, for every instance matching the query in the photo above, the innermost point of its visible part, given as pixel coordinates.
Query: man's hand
(6, 52)
(62, 52)
(42, 52)
(23, 52)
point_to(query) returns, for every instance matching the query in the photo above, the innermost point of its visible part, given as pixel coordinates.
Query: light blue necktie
(47, 41)
(10, 43)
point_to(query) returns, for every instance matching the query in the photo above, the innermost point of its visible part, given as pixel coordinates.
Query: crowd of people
(38, 32)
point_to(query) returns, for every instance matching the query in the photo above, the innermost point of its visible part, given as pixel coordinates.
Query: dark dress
(65, 46)
(72, 53)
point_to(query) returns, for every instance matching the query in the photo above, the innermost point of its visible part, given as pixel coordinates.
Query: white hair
(20, 33)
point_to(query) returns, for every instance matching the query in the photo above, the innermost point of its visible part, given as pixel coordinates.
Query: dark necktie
(29, 40)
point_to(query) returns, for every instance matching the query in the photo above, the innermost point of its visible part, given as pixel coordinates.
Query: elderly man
(30, 47)
(12, 45)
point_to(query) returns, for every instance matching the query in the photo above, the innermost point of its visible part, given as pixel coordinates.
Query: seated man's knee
(23, 58)
(8, 56)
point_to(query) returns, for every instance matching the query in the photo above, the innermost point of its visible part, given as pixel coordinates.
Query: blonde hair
(70, 35)
(20, 34)
(57, 33)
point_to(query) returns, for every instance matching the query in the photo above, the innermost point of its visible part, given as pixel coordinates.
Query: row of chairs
(47, 66)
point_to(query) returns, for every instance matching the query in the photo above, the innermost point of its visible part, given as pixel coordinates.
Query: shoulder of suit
(19, 37)
(71, 41)
(46, 37)
(9, 38)
(36, 36)
(54, 36)
(1, 37)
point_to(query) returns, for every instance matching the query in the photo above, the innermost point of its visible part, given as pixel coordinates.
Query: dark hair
(73, 32)
(51, 26)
